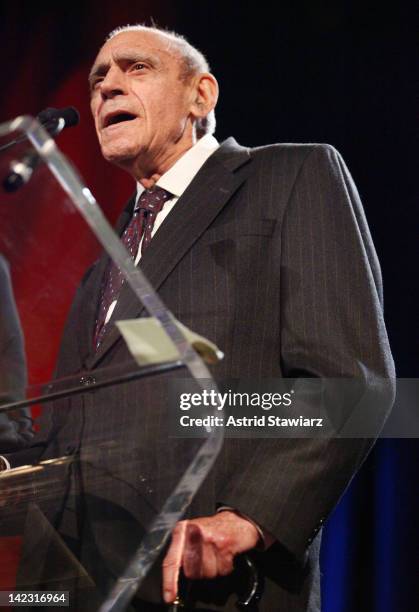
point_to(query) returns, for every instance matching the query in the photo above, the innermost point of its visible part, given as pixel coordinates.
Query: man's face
(140, 106)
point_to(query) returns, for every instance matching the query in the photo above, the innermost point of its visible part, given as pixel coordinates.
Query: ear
(205, 95)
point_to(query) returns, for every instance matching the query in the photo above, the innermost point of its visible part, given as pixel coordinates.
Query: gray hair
(193, 62)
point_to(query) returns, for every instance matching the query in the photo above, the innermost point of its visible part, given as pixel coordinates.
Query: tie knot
(153, 199)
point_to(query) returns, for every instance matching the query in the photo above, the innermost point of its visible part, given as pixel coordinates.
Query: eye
(139, 66)
(94, 85)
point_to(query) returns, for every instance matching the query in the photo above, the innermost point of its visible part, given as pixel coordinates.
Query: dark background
(314, 71)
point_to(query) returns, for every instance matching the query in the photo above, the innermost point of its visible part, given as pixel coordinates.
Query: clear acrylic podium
(97, 483)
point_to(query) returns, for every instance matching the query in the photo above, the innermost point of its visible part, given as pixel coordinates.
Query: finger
(209, 562)
(206, 567)
(224, 564)
(172, 562)
(193, 552)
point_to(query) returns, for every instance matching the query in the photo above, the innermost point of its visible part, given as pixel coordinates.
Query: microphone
(69, 115)
(54, 120)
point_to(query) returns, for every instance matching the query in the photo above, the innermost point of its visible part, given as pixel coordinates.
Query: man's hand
(205, 548)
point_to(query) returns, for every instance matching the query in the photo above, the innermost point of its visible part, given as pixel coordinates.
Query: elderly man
(267, 253)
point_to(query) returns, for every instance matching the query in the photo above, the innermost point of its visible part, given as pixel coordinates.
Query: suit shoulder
(292, 152)
(285, 163)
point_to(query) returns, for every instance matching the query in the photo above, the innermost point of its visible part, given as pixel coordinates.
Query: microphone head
(69, 114)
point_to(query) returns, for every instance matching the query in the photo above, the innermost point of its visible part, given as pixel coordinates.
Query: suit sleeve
(15, 426)
(332, 326)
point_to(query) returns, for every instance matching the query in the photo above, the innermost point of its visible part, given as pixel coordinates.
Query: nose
(113, 84)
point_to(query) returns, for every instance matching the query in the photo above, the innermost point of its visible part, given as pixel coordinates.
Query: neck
(147, 169)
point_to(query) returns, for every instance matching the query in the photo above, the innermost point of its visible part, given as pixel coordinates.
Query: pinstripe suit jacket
(268, 254)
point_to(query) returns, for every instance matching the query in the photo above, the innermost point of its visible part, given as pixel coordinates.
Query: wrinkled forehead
(139, 43)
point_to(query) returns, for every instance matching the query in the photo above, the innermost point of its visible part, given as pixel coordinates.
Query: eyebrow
(127, 56)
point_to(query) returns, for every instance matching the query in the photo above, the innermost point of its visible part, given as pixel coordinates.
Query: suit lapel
(92, 291)
(88, 307)
(202, 201)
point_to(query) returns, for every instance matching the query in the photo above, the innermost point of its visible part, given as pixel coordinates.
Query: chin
(118, 155)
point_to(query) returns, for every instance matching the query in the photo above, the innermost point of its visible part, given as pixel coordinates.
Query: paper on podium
(149, 344)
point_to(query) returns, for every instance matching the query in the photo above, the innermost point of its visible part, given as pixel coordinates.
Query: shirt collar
(180, 175)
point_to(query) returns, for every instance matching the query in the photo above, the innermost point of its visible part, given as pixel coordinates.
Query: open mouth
(119, 118)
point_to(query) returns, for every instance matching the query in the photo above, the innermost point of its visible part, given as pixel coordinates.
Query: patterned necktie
(141, 226)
